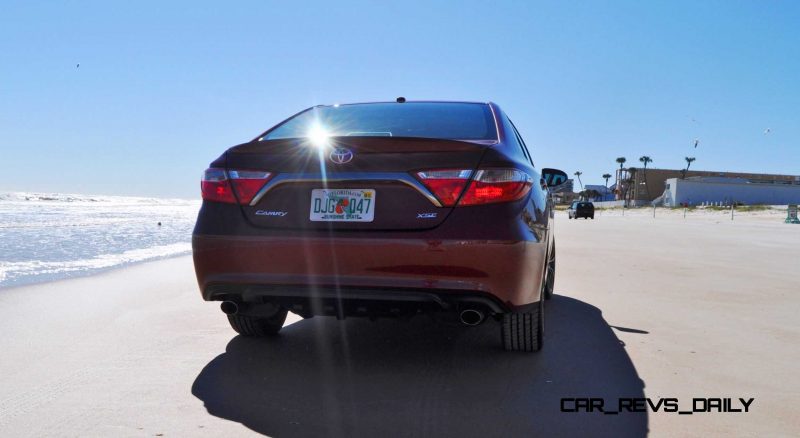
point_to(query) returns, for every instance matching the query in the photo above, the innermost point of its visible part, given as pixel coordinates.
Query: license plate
(342, 205)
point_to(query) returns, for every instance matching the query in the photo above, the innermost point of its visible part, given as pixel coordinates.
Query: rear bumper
(356, 301)
(501, 276)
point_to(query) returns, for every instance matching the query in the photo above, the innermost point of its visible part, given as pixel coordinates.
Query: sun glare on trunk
(319, 136)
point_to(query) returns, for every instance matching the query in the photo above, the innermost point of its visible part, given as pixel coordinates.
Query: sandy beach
(669, 306)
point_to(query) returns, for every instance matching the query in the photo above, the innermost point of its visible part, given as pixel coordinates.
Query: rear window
(456, 121)
(585, 204)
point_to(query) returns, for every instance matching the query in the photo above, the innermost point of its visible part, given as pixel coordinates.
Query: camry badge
(271, 213)
(341, 155)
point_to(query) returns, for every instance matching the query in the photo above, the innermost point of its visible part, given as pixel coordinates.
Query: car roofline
(408, 101)
(490, 104)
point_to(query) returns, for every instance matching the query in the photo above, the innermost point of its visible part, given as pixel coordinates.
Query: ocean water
(47, 237)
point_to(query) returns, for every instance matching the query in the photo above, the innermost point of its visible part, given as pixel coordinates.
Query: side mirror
(553, 177)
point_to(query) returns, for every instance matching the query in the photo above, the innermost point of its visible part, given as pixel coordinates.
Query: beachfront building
(639, 186)
(564, 193)
(605, 193)
(726, 191)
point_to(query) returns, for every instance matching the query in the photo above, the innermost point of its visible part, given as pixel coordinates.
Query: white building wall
(696, 192)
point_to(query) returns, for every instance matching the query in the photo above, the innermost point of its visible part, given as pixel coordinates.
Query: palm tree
(689, 161)
(645, 159)
(628, 192)
(606, 176)
(621, 161)
(589, 194)
(578, 174)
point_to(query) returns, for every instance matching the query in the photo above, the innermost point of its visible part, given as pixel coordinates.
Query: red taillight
(446, 185)
(215, 186)
(218, 185)
(487, 186)
(496, 185)
(247, 183)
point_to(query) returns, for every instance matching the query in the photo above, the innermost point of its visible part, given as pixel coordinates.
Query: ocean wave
(33, 197)
(10, 272)
(49, 236)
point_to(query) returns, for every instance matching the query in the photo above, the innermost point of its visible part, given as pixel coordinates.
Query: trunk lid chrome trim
(402, 177)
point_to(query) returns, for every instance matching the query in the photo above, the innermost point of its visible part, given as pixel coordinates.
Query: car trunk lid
(350, 171)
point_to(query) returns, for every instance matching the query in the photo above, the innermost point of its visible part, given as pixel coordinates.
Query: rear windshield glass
(585, 204)
(457, 121)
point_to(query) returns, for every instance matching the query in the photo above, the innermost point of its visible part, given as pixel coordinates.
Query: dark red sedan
(380, 210)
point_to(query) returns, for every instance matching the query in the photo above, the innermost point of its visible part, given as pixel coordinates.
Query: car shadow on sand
(324, 377)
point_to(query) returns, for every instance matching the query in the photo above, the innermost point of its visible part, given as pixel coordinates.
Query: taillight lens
(218, 185)
(496, 185)
(486, 186)
(215, 186)
(446, 185)
(247, 183)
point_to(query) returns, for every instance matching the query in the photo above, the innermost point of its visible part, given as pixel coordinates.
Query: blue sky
(164, 87)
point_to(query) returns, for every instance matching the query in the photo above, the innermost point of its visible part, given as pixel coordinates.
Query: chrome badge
(271, 213)
(341, 155)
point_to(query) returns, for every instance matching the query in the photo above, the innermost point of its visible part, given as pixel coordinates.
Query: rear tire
(524, 331)
(258, 327)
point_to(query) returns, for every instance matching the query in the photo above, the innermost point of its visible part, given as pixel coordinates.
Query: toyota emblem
(341, 155)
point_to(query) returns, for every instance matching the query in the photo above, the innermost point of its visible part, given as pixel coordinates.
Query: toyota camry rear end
(379, 210)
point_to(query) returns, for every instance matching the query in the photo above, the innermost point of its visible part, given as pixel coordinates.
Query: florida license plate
(342, 205)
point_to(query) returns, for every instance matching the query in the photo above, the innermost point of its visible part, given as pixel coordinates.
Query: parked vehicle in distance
(578, 209)
(380, 209)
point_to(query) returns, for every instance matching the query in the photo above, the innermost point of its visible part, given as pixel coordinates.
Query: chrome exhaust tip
(471, 317)
(229, 307)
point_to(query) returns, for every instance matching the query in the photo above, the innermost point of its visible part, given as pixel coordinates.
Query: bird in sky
(78, 66)
(767, 131)
(696, 142)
